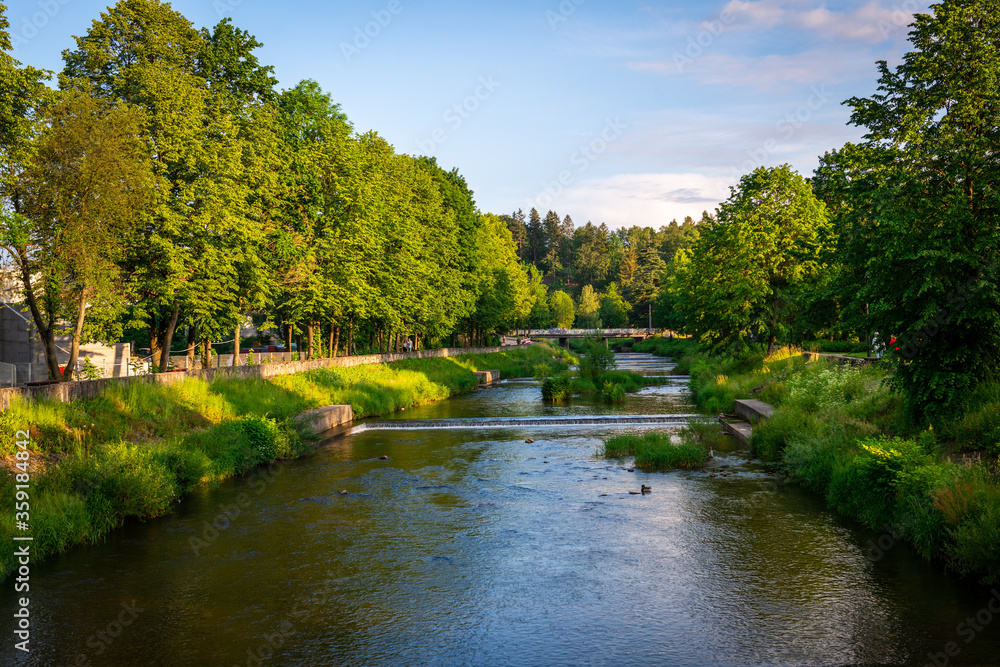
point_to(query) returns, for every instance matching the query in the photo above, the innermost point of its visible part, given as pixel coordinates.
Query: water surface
(473, 546)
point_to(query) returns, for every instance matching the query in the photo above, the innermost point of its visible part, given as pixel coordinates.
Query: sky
(624, 113)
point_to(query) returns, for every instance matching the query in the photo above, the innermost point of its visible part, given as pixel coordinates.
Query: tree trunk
(168, 337)
(336, 344)
(774, 325)
(74, 348)
(206, 353)
(453, 334)
(329, 348)
(236, 346)
(350, 337)
(288, 340)
(154, 338)
(192, 343)
(310, 340)
(298, 345)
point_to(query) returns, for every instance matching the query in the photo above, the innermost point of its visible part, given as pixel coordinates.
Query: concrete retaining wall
(752, 411)
(71, 391)
(488, 377)
(323, 419)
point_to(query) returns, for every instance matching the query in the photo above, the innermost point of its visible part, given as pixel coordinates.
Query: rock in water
(529, 440)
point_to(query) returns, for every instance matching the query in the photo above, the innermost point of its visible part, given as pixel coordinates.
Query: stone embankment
(751, 412)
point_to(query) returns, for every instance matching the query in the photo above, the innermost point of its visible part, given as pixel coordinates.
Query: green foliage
(562, 308)
(597, 359)
(612, 392)
(90, 371)
(834, 346)
(923, 267)
(614, 309)
(656, 451)
(557, 389)
(588, 314)
(744, 275)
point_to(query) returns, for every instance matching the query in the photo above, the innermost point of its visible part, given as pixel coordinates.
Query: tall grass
(132, 452)
(842, 433)
(656, 451)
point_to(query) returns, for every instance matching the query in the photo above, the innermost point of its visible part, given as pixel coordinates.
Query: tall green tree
(588, 313)
(748, 269)
(89, 175)
(614, 310)
(924, 193)
(563, 311)
(196, 246)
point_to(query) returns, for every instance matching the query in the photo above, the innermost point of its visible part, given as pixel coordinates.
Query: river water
(471, 546)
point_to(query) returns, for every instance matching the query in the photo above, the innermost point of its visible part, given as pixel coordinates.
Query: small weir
(513, 422)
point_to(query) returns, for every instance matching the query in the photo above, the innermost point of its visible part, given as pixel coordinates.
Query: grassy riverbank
(843, 433)
(134, 451)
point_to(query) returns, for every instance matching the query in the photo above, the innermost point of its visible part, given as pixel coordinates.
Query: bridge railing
(541, 333)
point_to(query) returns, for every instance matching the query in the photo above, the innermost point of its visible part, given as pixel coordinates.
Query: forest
(167, 190)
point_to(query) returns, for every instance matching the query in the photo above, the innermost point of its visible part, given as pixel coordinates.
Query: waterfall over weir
(520, 422)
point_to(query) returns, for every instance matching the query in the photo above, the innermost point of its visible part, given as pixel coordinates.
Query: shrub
(612, 392)
(557, 388)
(656, 451)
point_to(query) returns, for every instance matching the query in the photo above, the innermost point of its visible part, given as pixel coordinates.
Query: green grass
(131, 453)
(656, 451)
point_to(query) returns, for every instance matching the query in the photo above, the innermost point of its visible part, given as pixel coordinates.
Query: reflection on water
(476, 547)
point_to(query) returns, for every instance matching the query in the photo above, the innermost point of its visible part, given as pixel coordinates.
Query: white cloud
(638, 199)
(873, 23)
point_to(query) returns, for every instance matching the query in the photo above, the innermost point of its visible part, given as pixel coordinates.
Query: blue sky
(618, 112)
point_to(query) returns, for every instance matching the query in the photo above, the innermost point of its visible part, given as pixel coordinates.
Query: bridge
(563, 335)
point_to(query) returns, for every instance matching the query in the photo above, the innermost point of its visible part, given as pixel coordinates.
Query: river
(471, 546)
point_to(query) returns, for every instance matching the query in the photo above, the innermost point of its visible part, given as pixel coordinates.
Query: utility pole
(650, 315)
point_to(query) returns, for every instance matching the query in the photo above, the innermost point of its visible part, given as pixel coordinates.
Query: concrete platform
(751, 410)
(321, 420)
(739, 430)
(488, 377)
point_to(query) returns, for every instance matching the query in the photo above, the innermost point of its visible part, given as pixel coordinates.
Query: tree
(562, 309)
(614, 309)
(552, 231)
(78, 200)
(198, 249)
(536, 238)
(588, 309)
(519, 232)
(924, 194)
(748, 269)
(590, 245)
(21, 90)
